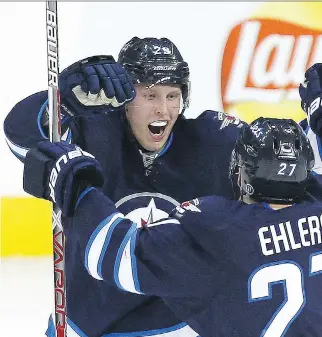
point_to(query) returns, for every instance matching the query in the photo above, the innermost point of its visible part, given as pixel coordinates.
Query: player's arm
(223, 126)
(94, 84)
(163, 260)
(311, 96)
(27, 124)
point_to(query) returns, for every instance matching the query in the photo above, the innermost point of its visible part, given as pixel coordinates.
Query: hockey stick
(54, 136)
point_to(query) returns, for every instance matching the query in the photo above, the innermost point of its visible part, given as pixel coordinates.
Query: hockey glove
(59, 172)
(311, 94)
(97, 81)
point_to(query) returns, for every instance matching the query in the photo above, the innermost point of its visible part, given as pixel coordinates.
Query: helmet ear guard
(275, 160)
(156, 61)
(234, 174)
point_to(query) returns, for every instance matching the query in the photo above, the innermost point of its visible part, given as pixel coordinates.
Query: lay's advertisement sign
(265, 58)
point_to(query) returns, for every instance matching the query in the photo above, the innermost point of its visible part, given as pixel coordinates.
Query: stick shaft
(54, 136)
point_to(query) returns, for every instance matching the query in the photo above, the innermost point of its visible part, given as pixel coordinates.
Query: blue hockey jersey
(224, 267)
(194, 163)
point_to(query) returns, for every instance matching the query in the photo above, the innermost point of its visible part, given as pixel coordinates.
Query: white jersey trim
(164, 222)
(16, 149)
(125, 267)
(98, 243)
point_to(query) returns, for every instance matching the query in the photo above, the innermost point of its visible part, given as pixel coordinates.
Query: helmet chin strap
(181, 105)
(243, 195)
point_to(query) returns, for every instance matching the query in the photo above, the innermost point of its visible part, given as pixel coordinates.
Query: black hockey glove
(59, 172)
(311, 95)
(97, 81)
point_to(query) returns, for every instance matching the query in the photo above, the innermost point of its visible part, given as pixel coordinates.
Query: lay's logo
(263, 64)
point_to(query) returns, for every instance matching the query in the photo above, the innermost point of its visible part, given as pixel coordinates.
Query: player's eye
(173, 96)
(151, 96)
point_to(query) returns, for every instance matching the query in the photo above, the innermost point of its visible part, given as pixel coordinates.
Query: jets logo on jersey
(228, 119)
(145, 208)
(191, 205)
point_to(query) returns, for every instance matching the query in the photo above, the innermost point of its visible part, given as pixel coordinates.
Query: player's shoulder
(208, 207)
(32, 101)
(218, 209)
(314, 187)
(220, 120)
(216, 126)
(22, 120)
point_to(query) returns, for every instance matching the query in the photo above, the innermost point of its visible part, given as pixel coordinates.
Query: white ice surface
(26, 296)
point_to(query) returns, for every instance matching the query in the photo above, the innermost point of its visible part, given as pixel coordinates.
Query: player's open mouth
(157, 128)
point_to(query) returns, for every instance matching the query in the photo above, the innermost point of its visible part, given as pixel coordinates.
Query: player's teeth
(158, 123)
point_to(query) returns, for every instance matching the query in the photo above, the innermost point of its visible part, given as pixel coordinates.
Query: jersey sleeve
(27, 124)
(316, 144)
(162, 260)
(223, 126)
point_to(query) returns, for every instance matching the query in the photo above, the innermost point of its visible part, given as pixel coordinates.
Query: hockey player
(140, 128)
(148, 151)
(228, 268)
(129, 115)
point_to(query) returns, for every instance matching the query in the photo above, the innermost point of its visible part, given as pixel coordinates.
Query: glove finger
(106, 84)
(129, 90)
(108, 88)
(84, 87)
(133, 92)
(71, 81)
(117, 85)
(118, 68)
(92, 79)
(119, 91)
(104, 99)
(122, 82)
(109, 70)
(128, 86)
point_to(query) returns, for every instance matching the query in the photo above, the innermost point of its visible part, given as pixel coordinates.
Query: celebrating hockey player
(129, 115)
(251, 267)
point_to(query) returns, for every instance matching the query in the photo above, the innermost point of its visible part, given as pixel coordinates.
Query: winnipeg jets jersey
(224, 267)
(193, 163)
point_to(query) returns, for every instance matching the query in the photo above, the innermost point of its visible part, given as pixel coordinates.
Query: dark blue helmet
(156, 61)
(275, 160)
